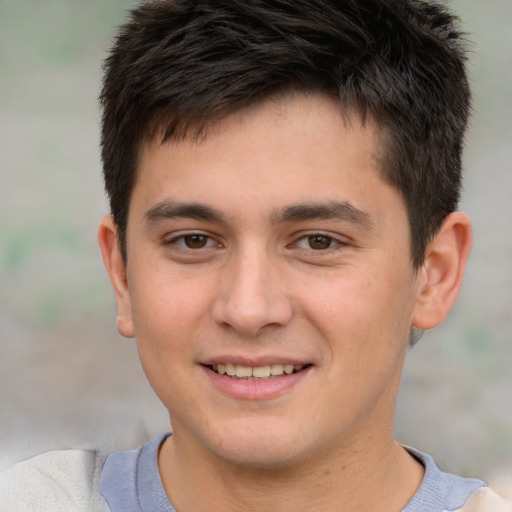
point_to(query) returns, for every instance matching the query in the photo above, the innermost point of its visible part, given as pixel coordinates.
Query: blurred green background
(68, 380)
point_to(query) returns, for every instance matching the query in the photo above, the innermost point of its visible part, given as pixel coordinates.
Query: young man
(283, 179)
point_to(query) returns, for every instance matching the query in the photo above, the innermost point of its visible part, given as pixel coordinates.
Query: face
(269, 284)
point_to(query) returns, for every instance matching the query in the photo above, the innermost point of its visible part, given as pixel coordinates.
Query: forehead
(290, 150)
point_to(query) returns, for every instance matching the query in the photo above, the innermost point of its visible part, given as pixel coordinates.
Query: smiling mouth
(236, 371)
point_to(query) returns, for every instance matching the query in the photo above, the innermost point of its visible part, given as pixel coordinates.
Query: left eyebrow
(334, 210)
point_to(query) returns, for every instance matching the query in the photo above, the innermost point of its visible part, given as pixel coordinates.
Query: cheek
(166, 301)
(168, 314)
(361, 308)
(165, 330)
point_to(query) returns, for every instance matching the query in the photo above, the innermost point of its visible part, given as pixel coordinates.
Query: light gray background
(68, 380)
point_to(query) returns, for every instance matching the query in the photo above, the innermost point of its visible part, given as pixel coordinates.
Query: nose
(252, 295)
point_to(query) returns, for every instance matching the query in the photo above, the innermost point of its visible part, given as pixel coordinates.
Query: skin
(276, 239)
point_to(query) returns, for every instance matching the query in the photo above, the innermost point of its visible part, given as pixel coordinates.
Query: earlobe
(440, 278)
(116, 269)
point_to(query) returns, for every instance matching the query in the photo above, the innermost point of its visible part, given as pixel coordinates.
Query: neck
(362, 475)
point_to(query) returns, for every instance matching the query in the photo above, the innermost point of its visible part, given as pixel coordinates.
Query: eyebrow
(334, 210)
(172, 210)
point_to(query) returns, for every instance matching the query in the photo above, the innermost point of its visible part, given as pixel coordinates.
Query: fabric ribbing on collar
(130, 481)
(440, 491)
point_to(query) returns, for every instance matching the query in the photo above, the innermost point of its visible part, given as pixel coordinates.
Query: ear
(116, 269)
(440, 277)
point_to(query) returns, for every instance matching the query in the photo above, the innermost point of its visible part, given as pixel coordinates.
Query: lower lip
(264, 389)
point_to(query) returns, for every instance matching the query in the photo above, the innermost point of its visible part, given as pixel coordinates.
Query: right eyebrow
(172, 210)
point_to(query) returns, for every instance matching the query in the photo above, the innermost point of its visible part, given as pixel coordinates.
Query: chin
(268, 457)
(262, 446)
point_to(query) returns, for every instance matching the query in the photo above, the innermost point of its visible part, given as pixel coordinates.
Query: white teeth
(259, 372)
(243, 371)
(276, 369)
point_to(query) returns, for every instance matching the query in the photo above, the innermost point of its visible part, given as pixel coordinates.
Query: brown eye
(195, 241)
(319, 242)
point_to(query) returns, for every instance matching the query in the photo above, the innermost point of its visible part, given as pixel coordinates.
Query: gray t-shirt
(130, 482)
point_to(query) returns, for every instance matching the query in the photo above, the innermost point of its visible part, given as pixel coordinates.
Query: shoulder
(443, 492)
(440, 491)
(486, 500)
(60, 480)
